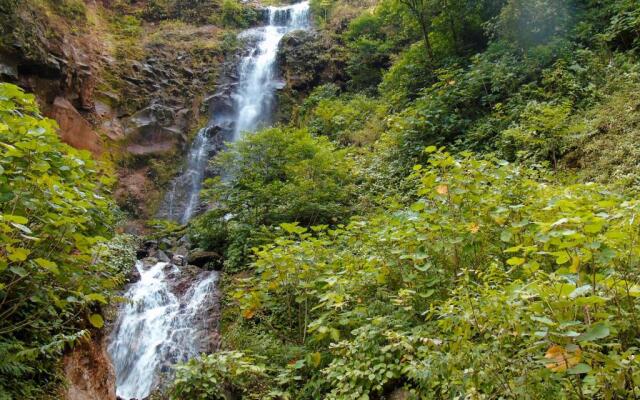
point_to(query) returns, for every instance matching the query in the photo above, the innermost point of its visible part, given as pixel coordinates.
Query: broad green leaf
(506, 236)
(597, 331)
(17, 254)
(48, 265)
(15, 218)
(96, 297)
(18, 270)
(580, 368)
(515, 261)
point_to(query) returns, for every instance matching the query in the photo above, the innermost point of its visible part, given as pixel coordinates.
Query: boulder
(74, 129)
(205, 258)
(156, 130)
(178, 260)
(163, 257)
(300, 59)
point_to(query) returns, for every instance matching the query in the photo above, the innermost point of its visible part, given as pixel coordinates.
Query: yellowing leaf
(515, 261)
(562, 258)
(96, 297)
(474, 227)
(593, 228)
(248, 313)
(315, 359)
(293, 228)
(442, 189)
(96, 320)
(561, 358)
(48, 265)
(15, 218)
(575, 264)
(17, 254)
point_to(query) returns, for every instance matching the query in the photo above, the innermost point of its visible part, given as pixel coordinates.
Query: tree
(271, 177)
(423, 12)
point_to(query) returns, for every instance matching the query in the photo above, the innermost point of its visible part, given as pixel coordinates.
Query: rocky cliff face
(129, 91)
(89, 372)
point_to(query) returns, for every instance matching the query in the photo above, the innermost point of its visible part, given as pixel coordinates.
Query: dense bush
(506, 275)
(497, 282)
(358, 120)
(271, 177)
(55, 271)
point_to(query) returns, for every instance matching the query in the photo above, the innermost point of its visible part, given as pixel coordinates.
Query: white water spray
(157, 327)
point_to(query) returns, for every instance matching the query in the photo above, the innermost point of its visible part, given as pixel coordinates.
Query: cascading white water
(182, 199)
(161, 326)
(258, 80)
(156, 327)
(253, 100)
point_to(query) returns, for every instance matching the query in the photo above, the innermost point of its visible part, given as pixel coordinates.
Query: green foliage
(530, 23)
(225, 13)
(233, 14)
(271, 177)
(478, 277)
(410, 73)
(56, 266)
(495, 282)
(542, 132)
(223, 375)
(358, 120)
(71, 9)
(371, 40)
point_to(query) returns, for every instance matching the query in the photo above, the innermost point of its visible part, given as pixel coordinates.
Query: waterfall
(163, 324)
(258, 80)
(252, 105)
(157, 326)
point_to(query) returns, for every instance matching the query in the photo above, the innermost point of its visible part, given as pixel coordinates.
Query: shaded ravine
(163, 323)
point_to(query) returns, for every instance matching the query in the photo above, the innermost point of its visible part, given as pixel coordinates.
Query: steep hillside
(124, 80)
(420, 199)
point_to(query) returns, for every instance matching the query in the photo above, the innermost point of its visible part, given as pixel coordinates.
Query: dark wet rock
(142, 253)
(202, 259)
(300, 59)
(8, 70)
(163, 257)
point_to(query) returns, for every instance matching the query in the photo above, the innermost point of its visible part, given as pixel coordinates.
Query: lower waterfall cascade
(160, 325)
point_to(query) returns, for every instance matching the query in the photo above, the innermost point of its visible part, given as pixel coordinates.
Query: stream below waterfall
(163, 322)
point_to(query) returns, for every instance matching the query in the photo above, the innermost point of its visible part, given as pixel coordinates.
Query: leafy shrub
(220, 376)
(409, 74)
(530, 23)
(542, 133)
(235, 15)
(496, 282)
(358, 120)
(72, 9)
(274, 176)
(55, 272)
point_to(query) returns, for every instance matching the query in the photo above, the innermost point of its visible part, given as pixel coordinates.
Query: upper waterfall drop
(258, 80)
(163, 323)
(253, 100)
